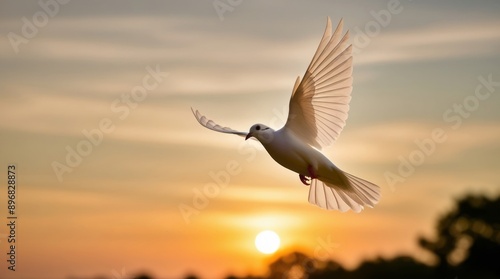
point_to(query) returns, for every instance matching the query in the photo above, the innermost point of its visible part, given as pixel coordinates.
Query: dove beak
(248, 136)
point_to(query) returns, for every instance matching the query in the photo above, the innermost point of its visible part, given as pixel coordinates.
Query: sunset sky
(126, 73)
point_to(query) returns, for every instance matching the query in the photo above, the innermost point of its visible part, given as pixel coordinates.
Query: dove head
(260, 132)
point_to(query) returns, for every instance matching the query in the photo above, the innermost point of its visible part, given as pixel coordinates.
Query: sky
(115, 176)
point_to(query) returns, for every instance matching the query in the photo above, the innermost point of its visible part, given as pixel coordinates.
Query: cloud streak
(430, 43)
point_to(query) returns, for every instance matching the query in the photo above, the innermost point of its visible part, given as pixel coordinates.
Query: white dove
(317, 114)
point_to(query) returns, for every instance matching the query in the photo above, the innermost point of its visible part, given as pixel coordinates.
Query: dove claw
(312, 173)
(304, 180)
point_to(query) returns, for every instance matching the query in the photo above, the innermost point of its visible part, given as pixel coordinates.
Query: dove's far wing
(320, 102)
(209, 124)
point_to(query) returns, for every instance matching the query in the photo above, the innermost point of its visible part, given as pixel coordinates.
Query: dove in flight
(317, 113)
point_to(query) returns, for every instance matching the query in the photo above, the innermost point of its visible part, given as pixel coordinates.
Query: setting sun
(267, 242)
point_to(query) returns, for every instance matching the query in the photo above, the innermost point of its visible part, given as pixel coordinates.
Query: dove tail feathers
(355, 196)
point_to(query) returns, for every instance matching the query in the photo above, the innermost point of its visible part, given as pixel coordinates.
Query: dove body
(292, 153)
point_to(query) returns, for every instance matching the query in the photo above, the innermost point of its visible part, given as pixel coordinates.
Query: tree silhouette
(143, 276)
(294, 265)
(468, 239)
(396, 268)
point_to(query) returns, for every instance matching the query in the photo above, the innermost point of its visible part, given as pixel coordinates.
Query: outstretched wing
(320, 102)
(209, 124)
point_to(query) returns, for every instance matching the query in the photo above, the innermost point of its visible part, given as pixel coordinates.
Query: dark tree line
(468, 240)
(466, 245)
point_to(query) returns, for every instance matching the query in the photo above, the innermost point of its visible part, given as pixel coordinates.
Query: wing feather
(209, 124)
(320, 101)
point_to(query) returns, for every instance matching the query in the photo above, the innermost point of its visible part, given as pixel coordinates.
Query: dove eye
(257, 128)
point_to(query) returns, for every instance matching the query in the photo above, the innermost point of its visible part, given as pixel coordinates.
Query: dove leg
(312, 175)
(304, 180)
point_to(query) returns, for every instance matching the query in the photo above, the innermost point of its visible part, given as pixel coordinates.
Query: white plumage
(317, 114)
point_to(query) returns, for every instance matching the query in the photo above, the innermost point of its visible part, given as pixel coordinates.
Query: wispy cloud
(439, 42)
(398, 138)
